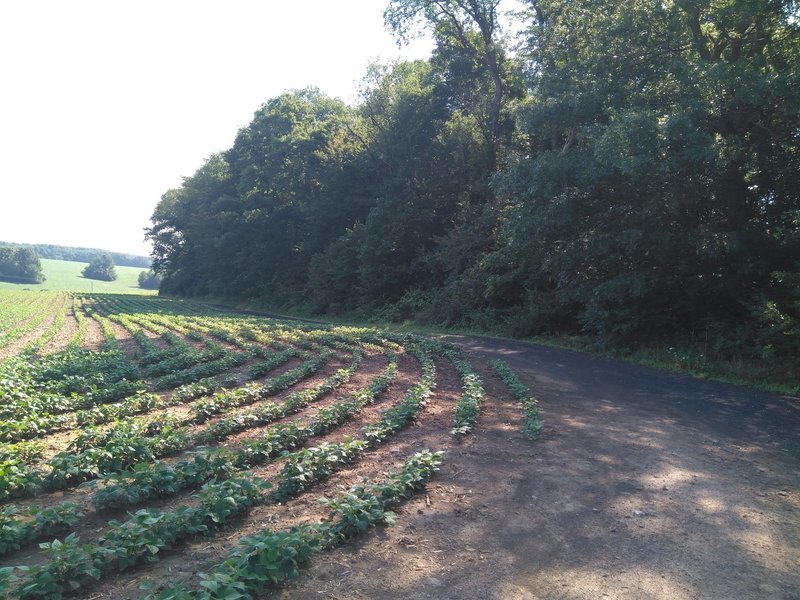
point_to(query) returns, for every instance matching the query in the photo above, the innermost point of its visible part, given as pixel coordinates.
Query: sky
(106, 104)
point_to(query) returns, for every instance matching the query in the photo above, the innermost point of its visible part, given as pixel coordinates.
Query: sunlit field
(62, 275)
(132, 427)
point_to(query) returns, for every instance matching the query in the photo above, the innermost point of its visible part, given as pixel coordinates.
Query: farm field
(64, 275)
(156, 448)
(135, 428)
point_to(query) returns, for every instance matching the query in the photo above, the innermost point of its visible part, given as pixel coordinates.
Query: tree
(629, 174)
(649, 195)
(467, 27)
(20, 264)
(101, 267)
(149, 280)
(246, 223)
(192, 232)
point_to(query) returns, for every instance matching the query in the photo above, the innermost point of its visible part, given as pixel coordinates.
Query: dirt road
(643, 485)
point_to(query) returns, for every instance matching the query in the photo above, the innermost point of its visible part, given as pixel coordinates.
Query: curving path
(643, 485)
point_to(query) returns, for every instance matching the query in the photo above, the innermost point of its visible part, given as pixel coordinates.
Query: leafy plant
(71, 566)
(531, 415)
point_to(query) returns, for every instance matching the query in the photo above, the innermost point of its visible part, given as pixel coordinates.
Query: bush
(101, 267)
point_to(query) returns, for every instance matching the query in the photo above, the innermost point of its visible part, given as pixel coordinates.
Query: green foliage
(119, 461)
(137, 540)
(531, 418)
(468, 406)
(270, 558)
(651, 209)
(261, 561)
(71, 566)
(149, 280)
(145, 534)
(206, 408)
(20, 265)
(101, 267)
(628, 175)
(218, 501)
(308, 465)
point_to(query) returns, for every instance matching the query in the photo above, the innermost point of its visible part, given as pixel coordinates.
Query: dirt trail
(643, 485)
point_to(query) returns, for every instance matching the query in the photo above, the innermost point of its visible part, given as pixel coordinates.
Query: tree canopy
(20, 265)
(629, 173)
(101, 267)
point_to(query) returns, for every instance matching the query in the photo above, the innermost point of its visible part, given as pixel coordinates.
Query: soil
(66, 333)
(52, 309)
(93, 336)
(642, 485)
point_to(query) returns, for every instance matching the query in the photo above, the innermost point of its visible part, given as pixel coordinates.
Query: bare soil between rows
(643, 485)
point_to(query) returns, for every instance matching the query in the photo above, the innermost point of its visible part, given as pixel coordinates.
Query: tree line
(628, 172)
(73, 254)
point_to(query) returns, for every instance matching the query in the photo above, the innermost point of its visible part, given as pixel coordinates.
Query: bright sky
(104, 105)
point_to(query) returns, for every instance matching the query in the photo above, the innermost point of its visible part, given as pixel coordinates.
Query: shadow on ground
(643, 485)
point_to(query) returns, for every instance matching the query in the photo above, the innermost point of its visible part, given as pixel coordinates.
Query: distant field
(62, 275)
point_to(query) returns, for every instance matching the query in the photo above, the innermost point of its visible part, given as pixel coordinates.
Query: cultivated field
(158, 448)
(65, 275)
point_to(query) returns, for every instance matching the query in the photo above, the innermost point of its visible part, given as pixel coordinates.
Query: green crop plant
(270, 558)
(531, 414)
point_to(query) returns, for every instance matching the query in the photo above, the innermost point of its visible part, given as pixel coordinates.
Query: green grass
(62, 275)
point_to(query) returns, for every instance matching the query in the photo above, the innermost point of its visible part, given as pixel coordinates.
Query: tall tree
(100, 267)
(467, 27)
(649, 193)
(20, 264)
(190, 231)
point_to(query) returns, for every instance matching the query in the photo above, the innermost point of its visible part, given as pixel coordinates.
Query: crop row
(270, 558)
(531, 414)
(24, 321)
(125, 446)
(206, 408)
(259, 561)
(20, 526)
(122, 462)
(150, 530)
(158, 480)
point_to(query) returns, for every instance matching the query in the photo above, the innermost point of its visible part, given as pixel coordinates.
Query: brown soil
(642, 485)
(52, 309)
(68, 330)
(93, 337)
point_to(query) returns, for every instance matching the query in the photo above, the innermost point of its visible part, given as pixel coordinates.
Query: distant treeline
(85, 255)
(630, 174)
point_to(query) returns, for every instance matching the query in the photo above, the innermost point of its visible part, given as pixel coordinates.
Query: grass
(63, 275)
